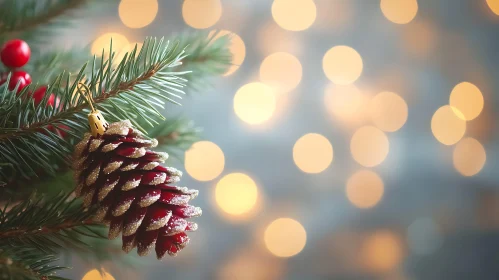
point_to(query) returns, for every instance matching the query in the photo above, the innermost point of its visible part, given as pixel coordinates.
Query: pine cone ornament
(134, 193)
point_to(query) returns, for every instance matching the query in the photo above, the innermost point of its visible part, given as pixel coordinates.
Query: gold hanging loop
(86, 94)
(96, 121)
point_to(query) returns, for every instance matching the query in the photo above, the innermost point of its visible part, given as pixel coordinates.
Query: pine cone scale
(133, 221)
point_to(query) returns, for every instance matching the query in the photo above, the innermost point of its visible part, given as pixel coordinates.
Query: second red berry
(18, 76)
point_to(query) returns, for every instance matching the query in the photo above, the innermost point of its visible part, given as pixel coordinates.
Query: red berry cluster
(14, 55)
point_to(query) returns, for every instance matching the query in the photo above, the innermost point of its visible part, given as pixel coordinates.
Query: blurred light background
(351, 139)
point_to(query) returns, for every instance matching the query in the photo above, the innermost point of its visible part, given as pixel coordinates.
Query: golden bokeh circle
(382, 251)
(494, 6)
(137, 14)
(399, 11)
(294, 15)
(282, 71)
(364, 189)
(204, 161)
(448, 125)
(103, 42)
(285, 237)
(251, 263)
(201, 14)
(94, 274)
(388, 111)
(312, 153)
(236, 48)
(469, 156)
(254, 103)
(236, 194)
(346, 103)
(369, 146)
(468, 99)
(342, 65)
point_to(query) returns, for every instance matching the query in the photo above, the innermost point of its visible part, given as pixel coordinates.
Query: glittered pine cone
(134, 193)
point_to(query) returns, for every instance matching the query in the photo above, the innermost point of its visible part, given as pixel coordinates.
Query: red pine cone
(117, 172)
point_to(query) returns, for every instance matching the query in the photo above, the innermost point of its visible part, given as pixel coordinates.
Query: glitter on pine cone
(134, 193)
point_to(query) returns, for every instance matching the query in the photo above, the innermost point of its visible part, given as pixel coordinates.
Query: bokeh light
(285, 237)
(201, 14)
(494, 6)
(369, 146)
(312, 153)
(399, 11)
(468, 99)
(448, 125)
(103, 42)
(342, 65)
(382, 251)
(236, 47)
(469, 156)
(94, 274)
(388, 111)
(282, 71)
(251, 263)
(137, 14)
(254, 103)
(346, 103)
(364, 189)
(204, 161)
(236, 193)
(294, 15)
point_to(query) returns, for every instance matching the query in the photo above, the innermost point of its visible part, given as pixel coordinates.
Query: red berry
(15, 53)
(22, 77)
(51, 100)
(39, 94)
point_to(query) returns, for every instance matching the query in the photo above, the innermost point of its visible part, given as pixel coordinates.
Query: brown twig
(17, 232)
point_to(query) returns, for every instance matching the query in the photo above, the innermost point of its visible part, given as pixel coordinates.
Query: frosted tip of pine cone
(174, 172)
(81, 147)
(95, 144)
(119, 128)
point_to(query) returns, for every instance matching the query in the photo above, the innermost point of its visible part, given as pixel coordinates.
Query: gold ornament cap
(98, 125)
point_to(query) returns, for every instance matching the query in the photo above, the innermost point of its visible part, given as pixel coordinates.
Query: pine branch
(28, 264)
(48, 224)
(208, 57)
(132, 90)
(20, 16)
(30, 141)
(34, 231)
